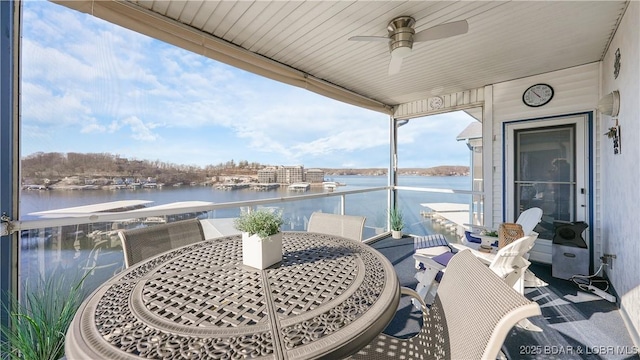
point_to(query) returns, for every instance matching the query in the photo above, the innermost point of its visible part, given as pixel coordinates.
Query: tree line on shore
(54, 166)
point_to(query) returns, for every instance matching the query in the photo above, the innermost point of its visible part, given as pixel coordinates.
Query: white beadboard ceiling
(506, 39)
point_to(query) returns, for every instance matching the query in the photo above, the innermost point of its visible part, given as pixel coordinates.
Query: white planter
(396, 234)
(261, 253)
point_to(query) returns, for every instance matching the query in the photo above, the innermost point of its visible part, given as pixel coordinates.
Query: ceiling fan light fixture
(400, 52)
(400, 22)
(402, 35)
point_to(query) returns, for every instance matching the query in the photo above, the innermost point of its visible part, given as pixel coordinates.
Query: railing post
(392, 196)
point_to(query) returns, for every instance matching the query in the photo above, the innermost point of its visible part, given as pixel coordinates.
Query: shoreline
(148, 186)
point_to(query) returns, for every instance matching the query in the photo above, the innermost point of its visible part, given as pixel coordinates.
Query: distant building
(314, 176)
(290, 174)
(267, 175)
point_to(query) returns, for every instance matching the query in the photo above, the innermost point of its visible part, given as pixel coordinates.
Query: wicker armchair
(472, 314)
(348, 226)
(142, 243)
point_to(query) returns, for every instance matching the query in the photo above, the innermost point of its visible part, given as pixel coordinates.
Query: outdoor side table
(485, 257)
(328, 298)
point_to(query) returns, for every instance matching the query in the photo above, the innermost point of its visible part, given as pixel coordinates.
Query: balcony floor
(575, 324)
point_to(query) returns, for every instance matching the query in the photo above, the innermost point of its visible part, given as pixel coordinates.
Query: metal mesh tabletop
(328, 298)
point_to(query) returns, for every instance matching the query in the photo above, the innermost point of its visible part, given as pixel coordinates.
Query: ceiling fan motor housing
(401, 32)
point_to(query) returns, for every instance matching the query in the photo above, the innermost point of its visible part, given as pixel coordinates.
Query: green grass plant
(40, 321)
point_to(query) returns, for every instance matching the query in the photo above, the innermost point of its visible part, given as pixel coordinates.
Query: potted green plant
(40, 321)
(261, 238)
(488, 237)
(396, 222)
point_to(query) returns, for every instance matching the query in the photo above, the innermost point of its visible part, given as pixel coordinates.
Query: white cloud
(79, 70)
(40, 104)
(52, 66)
(139, 129)
(34, 132)
(92, 127)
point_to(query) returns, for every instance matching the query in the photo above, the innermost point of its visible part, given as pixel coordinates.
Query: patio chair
(347, 226)
(472, 314)
(528, 219)
(509, 263)
(142, 243)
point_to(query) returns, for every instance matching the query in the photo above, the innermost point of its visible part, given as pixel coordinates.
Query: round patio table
(328, 298)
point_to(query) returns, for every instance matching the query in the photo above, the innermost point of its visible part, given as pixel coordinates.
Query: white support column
(487, 157)
(393, 166)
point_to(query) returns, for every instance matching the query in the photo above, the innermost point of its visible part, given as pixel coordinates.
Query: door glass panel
(545, 174)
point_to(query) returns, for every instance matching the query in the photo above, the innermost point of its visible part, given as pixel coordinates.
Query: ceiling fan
(402, 36)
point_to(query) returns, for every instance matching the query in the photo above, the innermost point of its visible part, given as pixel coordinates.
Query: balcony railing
(88, 242)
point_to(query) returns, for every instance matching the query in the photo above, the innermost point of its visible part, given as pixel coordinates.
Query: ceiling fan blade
(369, 38)
(395, 64)
(442, 31)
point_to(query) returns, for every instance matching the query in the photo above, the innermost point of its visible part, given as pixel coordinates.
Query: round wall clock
(436, 102)
(537, 95)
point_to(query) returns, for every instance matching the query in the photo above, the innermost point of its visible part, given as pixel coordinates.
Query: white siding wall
(621, 173)
(575, 90)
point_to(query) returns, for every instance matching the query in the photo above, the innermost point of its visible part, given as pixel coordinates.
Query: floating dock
(451, 216)
(264, 186)
(300, 187)
(232, 186)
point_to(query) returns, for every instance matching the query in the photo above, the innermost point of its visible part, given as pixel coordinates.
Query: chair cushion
(428, 241)
(443, 259)
(476, 240)
(471, 238)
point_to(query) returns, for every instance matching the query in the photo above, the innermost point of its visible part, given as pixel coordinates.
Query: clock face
(537, 95)
(436, 102)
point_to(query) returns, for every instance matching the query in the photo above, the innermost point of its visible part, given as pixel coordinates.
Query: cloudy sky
(90, 86)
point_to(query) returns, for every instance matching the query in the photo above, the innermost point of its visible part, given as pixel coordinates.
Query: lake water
(33, 201)
(75, 252)
(372, 205)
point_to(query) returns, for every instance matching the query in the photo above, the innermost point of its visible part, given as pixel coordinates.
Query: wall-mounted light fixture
(610, 104)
